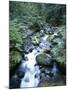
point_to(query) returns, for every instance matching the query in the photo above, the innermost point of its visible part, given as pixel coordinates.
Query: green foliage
(15, 34)
(35, 27)
(15, 43)
(29, 12)
(22, 9)
(59, 53)
(59, 50)
(56, 15)
(24, 16)
(15, 58)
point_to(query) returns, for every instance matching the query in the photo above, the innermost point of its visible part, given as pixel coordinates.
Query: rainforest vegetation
(28, 22)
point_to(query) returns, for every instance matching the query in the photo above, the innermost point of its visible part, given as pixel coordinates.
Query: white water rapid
(32, 71)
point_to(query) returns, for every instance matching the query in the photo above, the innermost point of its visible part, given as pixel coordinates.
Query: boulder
(44, 59)
(28, 46)
(14, 82)
(20, 72)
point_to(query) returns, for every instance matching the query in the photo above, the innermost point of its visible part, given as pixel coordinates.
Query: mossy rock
(41, 59)
(15, 58)
(44, 59)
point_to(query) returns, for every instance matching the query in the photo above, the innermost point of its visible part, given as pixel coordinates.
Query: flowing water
(32, 71)
(30, 74)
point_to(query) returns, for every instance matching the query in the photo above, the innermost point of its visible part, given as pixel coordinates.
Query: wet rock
(35, 39)
(42, 70)
(20, 72)
(24, 32)
(27, 80)
(47, 71)
(48, 51)
(49, 30)
(42, 77)
(28, 46)
(48, 59)
(44, 59)
(42, 33)
(14, 82)
(36, 76)
(57, 41)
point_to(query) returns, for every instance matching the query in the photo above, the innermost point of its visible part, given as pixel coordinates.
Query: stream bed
(30, 73)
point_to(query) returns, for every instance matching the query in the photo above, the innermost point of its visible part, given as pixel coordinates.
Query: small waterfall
(55, 69)
(32, 73)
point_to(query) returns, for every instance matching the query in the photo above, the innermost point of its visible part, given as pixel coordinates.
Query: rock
(57, 41)
(48, 51)
(36, 76)
(20, 72)
(26, 79)
(42, 77)
(29, 32)
(25, 31)
(47, 71)
(41, 59)
(28, 46)
(35, 40)
(42, 33)
(44, 59)
(14, 82)
(49, 30)
(42, 70)
(48, 59)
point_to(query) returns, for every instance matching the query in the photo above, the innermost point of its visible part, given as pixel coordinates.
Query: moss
(61, 59)
(35, 27)
(15, 58)
(53, 84)
(41, 58)
(16, 42)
